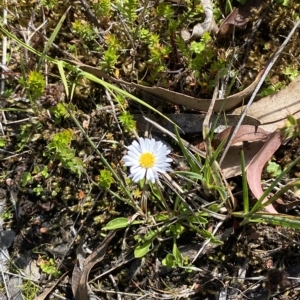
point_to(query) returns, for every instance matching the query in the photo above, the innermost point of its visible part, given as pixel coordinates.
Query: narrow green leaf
(191, 175)
(277, 219)
(187, 156)
(116, 224)
(178, 256)
(63, 76)
(51, 39)
(244, 183)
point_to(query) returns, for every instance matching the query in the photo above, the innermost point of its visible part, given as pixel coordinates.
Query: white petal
(151, 175)
(152, 144)
(134, 151)
(139, 174)
(158, 146)
(137, 146)
(143, 145)
(129, 161)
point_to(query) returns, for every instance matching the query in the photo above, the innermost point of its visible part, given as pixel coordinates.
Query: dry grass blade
(47, 291)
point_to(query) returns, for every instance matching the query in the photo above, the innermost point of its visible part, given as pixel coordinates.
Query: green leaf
(51, 39)
(178, 256)
(119, 223)
(214, 207)
(60, 65)
(192, 219)
(2, 142)
(191, 175)
(26, 178)
(197, 47)
(142, 250)
(169, 261)
(277, 219)
(176, 229)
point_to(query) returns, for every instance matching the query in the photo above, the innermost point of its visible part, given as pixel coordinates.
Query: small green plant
(291, 72)
(291, 127)
(84, 30)
(127, 121)
(105, 179)
(274, 85)
(157, 51)
(38, 189)
(29, 289)
(34, 85)
(48, 266)
(273, 169)
(110, 56)
(49, 4)
(27, 132)
(7, 214)
(128, 9)
(60, 149)
(102, 9)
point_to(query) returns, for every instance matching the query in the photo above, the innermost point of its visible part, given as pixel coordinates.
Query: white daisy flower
(146, 159)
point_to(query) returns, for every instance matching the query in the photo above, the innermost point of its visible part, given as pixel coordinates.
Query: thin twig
(91, 15)
(267, 70)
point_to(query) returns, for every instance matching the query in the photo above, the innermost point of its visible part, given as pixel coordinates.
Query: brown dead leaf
(231, 165)
(239, 17)
(227, 104)
(254, 136)
(272, 110)
(247, 133)
(257, 164)
(82, 269)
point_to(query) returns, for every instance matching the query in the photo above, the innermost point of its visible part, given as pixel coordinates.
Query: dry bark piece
(81, 272)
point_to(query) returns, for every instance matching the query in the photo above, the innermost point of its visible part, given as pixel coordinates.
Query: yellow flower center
(147, 160)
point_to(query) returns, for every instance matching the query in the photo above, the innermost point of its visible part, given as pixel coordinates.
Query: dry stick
(91, 15)
(4, 57)
(268, 68)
